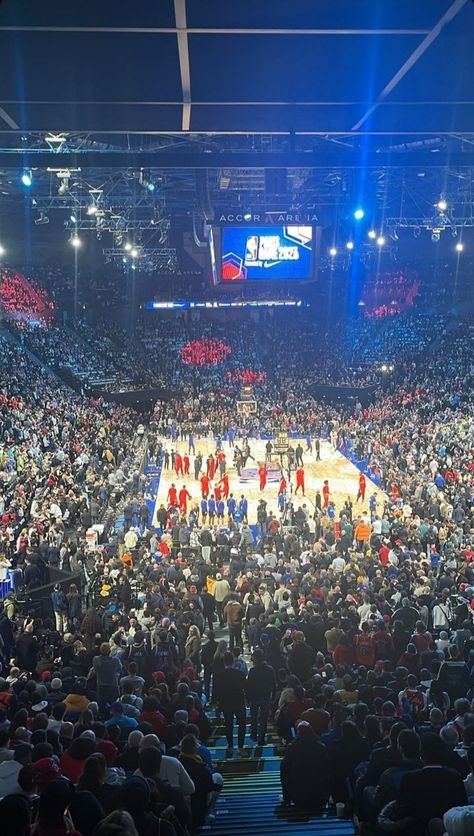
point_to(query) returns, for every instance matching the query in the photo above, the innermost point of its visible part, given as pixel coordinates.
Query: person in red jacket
(225, 486)
(178, 464)
(173, 496)
(326, 493)
(262, 472)
(184, 495)
(186, 464)
(362, 486)
(217, 492)
(205, 486)
(299, 480)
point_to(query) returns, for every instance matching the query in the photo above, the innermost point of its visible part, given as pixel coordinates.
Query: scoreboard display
(267, 253)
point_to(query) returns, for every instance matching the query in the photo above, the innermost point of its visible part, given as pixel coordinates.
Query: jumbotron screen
(267, 253)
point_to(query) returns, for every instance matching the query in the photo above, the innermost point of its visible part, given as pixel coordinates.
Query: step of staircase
(250, 801)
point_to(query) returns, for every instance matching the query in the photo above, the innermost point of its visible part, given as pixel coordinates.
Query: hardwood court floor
(342, 475)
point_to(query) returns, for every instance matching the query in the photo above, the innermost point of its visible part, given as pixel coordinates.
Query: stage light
(459, 247)
(151, 187)
(75, 241)
(134, 266)
(247, 216)
(350, 245)
(372, 233)
(128, 246)
(92, 209)
(380, 241)
(26, 178)
(333, 251)
(384, 368)
(2, 250)
(73, 219)
(359, 214)
(134, 253)
(442, 205)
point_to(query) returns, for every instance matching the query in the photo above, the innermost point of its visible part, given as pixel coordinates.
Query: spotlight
(2, 250)
(134, 266)
(359, 214)
(134, 253)
(26, 178)
(435, 235)
(333, 251)
(75, 241)
(372, 234)
(128, 246)
(350, 245)
(459, 247)
(247, 216)
(73, 219)
(92, 209)
(151, 187)
(442, 205)
(384, 368)
(41, 219)
(380, 241)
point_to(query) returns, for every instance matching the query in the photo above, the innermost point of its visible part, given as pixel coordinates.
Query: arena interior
(236, 418)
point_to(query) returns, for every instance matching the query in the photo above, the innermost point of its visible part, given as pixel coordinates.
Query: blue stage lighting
(151, 187)
(359, 214)
(26, 178)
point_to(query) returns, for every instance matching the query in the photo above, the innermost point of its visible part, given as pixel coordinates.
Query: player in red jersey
(173, 496)
(362, 487)
(184, 495)
(205, 486)
(326, 493)
(299, 480)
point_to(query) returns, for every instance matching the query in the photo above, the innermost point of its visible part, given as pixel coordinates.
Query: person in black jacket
(207, 658)
(428, 793)
(304, 771)
(260, 689)
(231, 696)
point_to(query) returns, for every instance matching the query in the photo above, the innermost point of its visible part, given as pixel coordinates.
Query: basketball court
(342, 475)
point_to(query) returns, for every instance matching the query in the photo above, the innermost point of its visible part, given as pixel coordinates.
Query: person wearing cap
(119, 718)
(304, 771)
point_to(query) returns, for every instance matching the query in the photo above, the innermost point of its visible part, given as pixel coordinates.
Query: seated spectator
(304, 771)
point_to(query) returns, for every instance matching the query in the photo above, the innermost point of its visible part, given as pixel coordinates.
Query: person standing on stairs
(260, 690)
(231, 698)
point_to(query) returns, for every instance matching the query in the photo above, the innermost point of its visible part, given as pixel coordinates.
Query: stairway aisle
(250, 801)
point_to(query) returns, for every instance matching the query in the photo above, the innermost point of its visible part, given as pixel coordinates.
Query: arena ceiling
(122, 72)
(183, 88)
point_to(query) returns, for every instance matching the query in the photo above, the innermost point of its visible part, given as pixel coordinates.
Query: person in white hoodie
(10, 770)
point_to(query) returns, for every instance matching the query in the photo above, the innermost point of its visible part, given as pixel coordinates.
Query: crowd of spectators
(356, 625)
